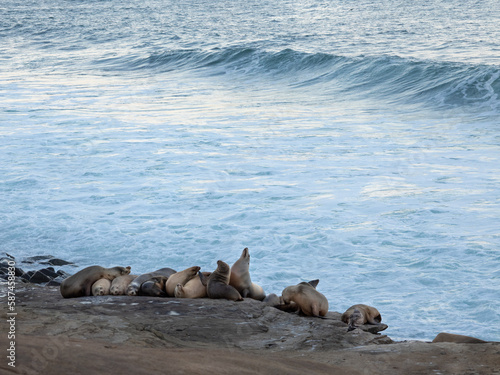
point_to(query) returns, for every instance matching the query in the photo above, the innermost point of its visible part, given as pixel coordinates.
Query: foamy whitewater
(354, 141)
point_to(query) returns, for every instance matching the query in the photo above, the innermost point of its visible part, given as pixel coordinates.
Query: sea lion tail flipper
(203, 278)
(314, 283)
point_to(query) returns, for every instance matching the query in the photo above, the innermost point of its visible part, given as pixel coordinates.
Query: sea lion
(309, 301)
(80, 284)
(240, 278)
(194, 288)
(155, 287)
(357, 315)
(135, 286)
(273, 300)
(218, 284)
(450, 337)
(120, 284)
(277, 301)
(181, 277)
(101, 287)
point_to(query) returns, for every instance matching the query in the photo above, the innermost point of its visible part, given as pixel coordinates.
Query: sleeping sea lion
(240, 278)
(80, 284)
(154, 287)
(134, 287)
(194, 288)
(120, 284)
(101, 287)
(357, 315)
(181, 277)
(218, 284)
(308, 300)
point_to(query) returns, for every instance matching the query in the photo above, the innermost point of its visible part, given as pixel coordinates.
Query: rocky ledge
(152, 335)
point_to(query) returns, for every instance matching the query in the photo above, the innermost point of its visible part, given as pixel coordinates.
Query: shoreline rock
(146, 335)
(94, 335)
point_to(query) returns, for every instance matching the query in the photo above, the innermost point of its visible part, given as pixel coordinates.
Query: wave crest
(395, 79)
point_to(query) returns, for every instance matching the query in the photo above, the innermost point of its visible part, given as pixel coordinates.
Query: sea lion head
(153, 288)
(355, 320)
(114, 290)
(119, 271)
(245, 255)
(193, 271)
(222, 267)
(133, 289)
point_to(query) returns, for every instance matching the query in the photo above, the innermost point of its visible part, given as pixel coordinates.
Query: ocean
(354, 142)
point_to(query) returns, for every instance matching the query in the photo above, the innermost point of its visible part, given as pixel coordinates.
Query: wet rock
(58, 262)
(198, 335)
(450, 337)
(27, 275)
(38, 277)
(373, 328)
(49, 272)
(63, 274)
(37, 259)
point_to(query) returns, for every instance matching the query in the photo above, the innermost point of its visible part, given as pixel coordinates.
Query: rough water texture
(352, 141)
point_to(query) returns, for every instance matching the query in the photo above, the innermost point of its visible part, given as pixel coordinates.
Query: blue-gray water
(357, 142)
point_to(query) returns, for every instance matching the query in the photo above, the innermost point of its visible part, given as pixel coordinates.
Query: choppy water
(357, 142)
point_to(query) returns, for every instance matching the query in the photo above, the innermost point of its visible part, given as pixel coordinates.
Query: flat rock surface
(94, 335)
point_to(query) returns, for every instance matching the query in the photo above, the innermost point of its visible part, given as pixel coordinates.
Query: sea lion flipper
(314, 283)
(203, 278)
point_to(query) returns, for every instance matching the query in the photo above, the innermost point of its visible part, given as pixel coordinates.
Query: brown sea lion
(134, 287)
(120, 284)
(154, 287)
(309, 301)
(218, 284)
(357, 315)
(240, 278)
(450, 337)
(194, 288)
(80, 284)
(101, 287)
(182, 278)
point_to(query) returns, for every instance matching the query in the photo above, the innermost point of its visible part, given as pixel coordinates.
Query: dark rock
(63, 274)
(39, 278)
(4, 269)
(37, 258)
(374, 328)
(451, 337)
(27, 275)
(49, 272)
(58, 262)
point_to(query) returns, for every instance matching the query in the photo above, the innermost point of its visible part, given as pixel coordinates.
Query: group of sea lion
(232, 283)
